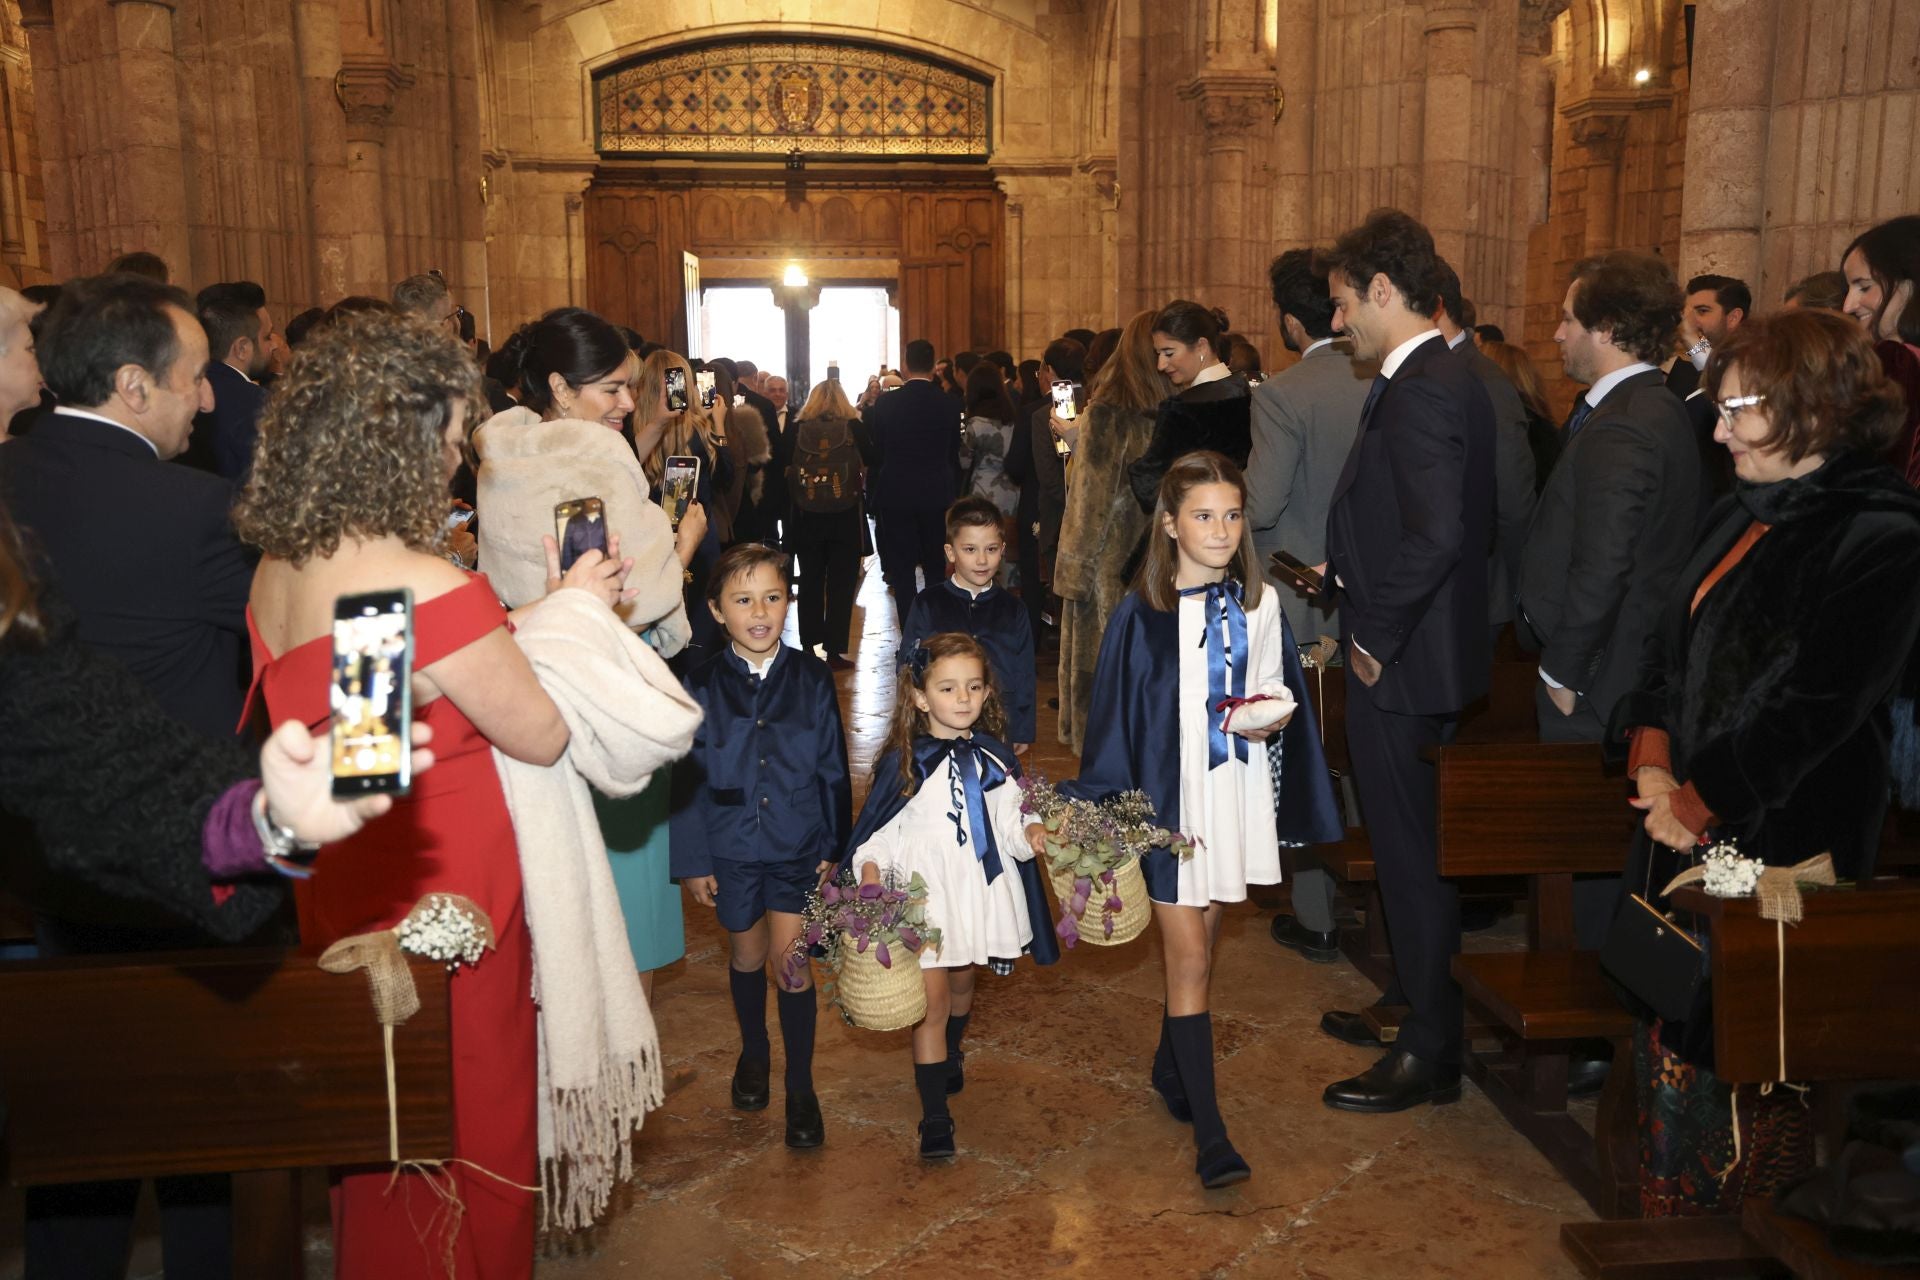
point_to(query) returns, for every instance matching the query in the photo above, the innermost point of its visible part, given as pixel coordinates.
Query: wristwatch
(284, 851)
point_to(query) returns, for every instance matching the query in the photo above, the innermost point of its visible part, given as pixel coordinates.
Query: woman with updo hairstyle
(1211, 407)
(1762, 710)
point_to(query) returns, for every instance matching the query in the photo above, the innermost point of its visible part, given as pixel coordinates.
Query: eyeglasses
(1732, 405)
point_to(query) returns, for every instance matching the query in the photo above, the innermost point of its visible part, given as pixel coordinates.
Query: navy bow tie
(1226, 644)
(975, 772)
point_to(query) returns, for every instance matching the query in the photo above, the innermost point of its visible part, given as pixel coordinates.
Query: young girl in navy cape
(944, 804)
(1199, 624)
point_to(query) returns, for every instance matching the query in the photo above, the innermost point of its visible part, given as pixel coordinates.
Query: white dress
(977, 921)
(1227, 812)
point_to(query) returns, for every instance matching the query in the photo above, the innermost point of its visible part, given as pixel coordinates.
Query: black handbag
(1655, 959)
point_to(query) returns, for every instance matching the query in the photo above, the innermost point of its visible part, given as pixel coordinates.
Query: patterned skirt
(1687, 1124)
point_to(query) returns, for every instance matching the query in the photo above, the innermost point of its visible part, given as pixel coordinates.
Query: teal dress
(635, 829)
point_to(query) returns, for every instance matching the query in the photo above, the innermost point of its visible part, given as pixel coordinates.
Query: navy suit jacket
(1409, 532)
(916, 443)
(146, 555)
(998, 620)
(767, 778)
(223, 440)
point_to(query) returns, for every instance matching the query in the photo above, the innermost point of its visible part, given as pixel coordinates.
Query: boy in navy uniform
(762, 807)
(970, 602)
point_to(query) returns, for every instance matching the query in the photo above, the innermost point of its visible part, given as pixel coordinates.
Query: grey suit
(1304, 421)
(1513, 481)
(1612, 529)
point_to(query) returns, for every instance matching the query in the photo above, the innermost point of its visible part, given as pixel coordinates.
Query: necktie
(1373, 397)
(1581, 408)
(975, 772)
(1226, 644)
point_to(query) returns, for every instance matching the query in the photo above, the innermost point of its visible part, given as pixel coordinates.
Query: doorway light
(1642, 75)
(795, 277)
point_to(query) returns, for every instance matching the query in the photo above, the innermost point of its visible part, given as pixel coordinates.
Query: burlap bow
(1778, 889)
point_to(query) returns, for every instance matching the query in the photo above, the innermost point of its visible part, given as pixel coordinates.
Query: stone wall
(24, 252)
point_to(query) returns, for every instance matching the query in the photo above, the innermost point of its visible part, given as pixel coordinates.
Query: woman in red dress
(349, 494)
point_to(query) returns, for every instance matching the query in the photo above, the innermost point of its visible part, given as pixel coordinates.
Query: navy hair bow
(1226, 644)
(976, 771)
(917, 659)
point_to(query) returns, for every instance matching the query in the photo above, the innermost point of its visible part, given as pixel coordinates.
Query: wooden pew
(1547, 812)
(257, 1063)
(1849, 967)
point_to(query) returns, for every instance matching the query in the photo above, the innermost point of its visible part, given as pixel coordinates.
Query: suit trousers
(1595, 897)
(1397, 789)
(828, 550)
(909, 538)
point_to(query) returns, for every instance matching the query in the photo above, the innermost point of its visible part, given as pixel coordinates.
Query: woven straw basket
(878, 998)
(1128, 923)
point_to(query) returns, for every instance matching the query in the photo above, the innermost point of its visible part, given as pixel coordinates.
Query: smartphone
(372, 696)
(833, 371)
(460, 518)
(704, 381)
(1286, 567)
(1065, 407)
(678, 485)
(579, 526)
(676, 390)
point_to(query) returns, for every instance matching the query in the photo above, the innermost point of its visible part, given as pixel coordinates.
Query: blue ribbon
(1226, 645)
(975, 772)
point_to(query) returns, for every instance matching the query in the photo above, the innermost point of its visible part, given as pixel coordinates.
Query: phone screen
(372, 696)
(1064, 407)
(579, 526)
(704, 381)
(460, 518)
(676, 390)
(1286, 566)
(678, 485)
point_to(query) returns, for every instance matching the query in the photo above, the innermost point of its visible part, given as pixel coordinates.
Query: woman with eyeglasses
(1762, 709)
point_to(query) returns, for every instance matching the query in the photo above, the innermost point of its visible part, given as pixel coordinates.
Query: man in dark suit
(915, 433)
(240, 336)
(1617, 518)
(1408, 536)
(1064, 360)
(144, 554)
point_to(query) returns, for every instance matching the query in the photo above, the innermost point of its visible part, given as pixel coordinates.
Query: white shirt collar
(95, 417)
(1453, 344)
(1598, 391)
(958, 585)
(1314, 346)
(756, 668)
(1212, 373)
(1398, 356)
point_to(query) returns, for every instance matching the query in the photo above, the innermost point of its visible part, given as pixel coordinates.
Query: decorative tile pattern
(772, 97)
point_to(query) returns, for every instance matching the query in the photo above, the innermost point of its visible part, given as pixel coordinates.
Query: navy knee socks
(797, 1010)
(750, 1010)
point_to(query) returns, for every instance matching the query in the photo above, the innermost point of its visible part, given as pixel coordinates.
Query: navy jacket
(223, 440)
(1409, 533)
(916, 442)
(998, 620)
(1133, 729)
(767, 778)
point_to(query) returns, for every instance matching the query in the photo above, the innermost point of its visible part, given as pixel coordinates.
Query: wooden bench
(1546, 811)
(257, 1063)
(1849, 966)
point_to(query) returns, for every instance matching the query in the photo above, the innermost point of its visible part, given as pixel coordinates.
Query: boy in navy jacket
(762, 806)
(970, 602)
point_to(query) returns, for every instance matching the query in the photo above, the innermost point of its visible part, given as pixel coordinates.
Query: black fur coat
(1214, 415)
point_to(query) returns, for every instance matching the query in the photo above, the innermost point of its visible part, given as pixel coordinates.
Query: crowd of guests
(1712, 557)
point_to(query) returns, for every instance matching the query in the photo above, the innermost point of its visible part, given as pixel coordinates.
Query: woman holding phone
(660, 431)
(347, 496)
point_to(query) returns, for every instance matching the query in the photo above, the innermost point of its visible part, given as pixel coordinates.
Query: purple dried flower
(862, 947)
(1114, 904)
(1107, 921)
(884, 956)
(871, 892)
(909, 937)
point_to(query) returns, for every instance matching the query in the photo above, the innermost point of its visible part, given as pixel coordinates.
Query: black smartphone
(372, 695)
(676, 390)
(704, 381)
(579, 526)
(678, 485)
(1286, 566)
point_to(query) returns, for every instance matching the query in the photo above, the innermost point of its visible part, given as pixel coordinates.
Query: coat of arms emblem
(797, 98)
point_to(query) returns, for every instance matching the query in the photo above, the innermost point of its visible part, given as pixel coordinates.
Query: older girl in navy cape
(1200, 626)
(944, 804)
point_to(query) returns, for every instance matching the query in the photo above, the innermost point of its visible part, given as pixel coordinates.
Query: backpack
(827, 474)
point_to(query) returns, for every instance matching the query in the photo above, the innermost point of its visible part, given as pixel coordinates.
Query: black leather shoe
(936, 1138)
(1395, 1083)
(1342, 1024)
(1321, 948)
(956, 1073)
(1221, 1166)
(805, 1128)
(750, 1090)
(1586, 1076)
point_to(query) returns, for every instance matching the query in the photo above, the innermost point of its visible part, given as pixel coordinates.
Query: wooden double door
(939, 235)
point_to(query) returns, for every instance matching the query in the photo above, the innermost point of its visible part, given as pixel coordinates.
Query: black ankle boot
(936, 1124)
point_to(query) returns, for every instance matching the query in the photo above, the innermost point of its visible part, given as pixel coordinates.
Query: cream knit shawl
(600, 1069)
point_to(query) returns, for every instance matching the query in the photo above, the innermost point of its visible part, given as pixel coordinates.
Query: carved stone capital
(367, 91)
(1536, 23)
(36, 13)
(1233, 103)
(1602, 135)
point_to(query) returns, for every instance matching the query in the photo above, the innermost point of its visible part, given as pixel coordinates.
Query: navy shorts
(748, 890)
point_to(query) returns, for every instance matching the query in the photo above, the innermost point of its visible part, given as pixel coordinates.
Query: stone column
(1232, 104)
(1723, 204)
(1602, 135)
(316, 37)
(1446, 148)
(1292, 152)
(50, 126)
(151, 183)
(366, 92)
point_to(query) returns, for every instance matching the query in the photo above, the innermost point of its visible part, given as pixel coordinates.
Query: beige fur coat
(528, 467)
